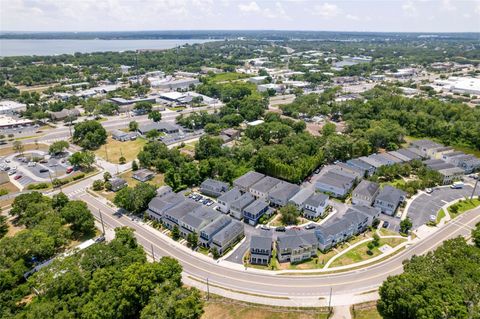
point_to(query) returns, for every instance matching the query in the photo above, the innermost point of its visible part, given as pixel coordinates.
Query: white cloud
(251, 7)
(352, 17)
(409, 8)
(448, 6)
(477, 8)
(327, 10)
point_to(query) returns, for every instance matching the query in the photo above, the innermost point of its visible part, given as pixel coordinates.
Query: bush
(3, 192)
(37, 186)
(98, 185)
(79, 176)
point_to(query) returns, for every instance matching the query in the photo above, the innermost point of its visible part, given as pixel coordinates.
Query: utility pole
(330, 300)
(208, 290)
(101, 220)
(475, 187)
(153, 254)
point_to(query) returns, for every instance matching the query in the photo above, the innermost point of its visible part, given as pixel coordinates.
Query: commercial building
(8, 107)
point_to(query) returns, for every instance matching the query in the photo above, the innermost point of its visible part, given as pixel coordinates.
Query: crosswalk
(75, 192)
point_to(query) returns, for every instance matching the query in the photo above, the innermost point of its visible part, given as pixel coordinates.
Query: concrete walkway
(341, 312)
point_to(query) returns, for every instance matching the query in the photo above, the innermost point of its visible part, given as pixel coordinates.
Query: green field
(229, 76)
(463, 206)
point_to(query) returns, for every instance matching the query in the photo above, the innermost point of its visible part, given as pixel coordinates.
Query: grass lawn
(26, 147)
(156, 181)
(368, 313)
(387, 232)
(463, 206)
(229, 76)
(113, 150)
(440, 215)
(237, 310)
(359, 253)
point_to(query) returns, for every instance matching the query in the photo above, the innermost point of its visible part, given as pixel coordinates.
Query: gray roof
(360, 164)
(248, 179)
(390, 158)
(182, 209)
(302, 196)
(391, 194)
(257, 206)
(371, 161)
(200, 216)
(266, 184)
(162, 190)
(335, 179)
(214, 184)
(415, 151)
(285, 191)
(366, 210)
(244, 200)
(261, 242)
(159, 126)
(344, 166)
(142, 173)
(296, 240)
(366, 188)
(438, 164)
(231, 195)
(216, 225)
(161, 203)
(425, 144)
(339, 224)
(454, 154)
(406, 153)
(229, 232)
(115, 182)
(316, 199)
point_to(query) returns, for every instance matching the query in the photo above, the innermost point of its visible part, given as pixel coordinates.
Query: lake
(12, 47)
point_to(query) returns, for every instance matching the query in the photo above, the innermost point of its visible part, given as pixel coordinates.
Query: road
(251, 281)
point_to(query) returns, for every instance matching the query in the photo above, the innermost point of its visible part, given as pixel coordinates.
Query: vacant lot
(113, 150)
(26, 147)
(9, 187)
(221, 310)
(156, 181)
(229, 76)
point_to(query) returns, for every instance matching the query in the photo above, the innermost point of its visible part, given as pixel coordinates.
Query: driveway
(429, 204)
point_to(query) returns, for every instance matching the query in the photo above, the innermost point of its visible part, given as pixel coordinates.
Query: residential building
(214, 188)
(361, 165)
(245, 181)
(450, 175)
(227, 237)
(299, 198)
(296, 247)
(260, 250)
(237, 207)
(196, 220)
(143, 175)
(225, 200)
(64, 114)
(365, 193)
(253, 212)
(160, 204)
(372, 162)
(388, 199)
(315, 206)
(172, 217)
(207, 232)
(164, 191)
(345, 170)
(282, 194)
(335, 184)
(425, 146)
(468, 163)
(265, 186)
(124, 136)
(117, 184)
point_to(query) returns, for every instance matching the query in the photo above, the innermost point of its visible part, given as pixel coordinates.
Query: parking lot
(24, 171)
(426, 205)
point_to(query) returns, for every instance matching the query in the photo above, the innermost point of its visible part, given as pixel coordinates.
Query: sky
(332, 15)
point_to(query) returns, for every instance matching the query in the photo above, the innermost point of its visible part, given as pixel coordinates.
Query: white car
(12, 172)
(31, 164)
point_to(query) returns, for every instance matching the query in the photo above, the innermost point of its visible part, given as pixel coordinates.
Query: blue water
(10, 47)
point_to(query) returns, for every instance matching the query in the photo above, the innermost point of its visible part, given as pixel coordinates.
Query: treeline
(112, 280)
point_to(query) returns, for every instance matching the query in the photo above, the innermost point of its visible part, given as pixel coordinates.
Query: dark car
(385, 224)
(281, 228)
(43, 170)
(310, 226)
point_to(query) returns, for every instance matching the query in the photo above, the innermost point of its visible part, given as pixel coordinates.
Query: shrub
(98, 185)
(38, 186)
(79, 176)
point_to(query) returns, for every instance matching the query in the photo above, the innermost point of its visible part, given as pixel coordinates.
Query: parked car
(69, 170)
(428, 190)
(264, 227)
(17, 177)
(43, 170)
(281, 228)
(7, 160)
(310, 226)
(12, 172)
(31, 164)
(385, 224)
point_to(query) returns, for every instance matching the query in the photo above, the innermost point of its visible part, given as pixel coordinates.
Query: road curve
(269, 284)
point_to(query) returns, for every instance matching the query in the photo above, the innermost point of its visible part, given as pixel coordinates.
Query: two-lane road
(269, 284)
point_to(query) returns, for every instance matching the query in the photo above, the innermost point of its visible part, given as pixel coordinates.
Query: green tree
(122, 160)
(178, 304)
(18, 147)
(90, 135)
(58, 147)
(133, 126)
(476, 235)
(215, 253)
(192, 240)
(3, 226)
(107, 176)
(98, 185)
(77, 214)
(135, 199)
(143, 107)
(328, 129)
(155, 116)
(134, 165)
(175, 233)
(289, 215)
(406, 225)
(436, 285)
(82, 159)
(59, 201)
